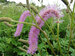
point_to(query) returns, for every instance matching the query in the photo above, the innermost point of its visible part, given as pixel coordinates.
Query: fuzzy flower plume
(22, 19)
(47, 12)
(33, 40)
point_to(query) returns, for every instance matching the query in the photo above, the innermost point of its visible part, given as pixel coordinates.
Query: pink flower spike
(52, 10)
(20, 26)
(33, 40)
(46, 13)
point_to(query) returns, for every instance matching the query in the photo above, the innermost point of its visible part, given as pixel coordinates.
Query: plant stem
(28, 6)
(49, 43)
(70, 36)
(58, 38)
(71, 27)
(25, 23)
(46, 24)
(40, 52)
(44, 44)
(33, 17)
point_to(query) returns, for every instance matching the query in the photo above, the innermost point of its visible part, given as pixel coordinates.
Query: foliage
(3, 0)
(9, 44)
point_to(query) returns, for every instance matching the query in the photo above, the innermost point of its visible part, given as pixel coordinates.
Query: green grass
(9, 44)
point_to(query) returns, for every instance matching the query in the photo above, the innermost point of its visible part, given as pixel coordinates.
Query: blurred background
(42, 2)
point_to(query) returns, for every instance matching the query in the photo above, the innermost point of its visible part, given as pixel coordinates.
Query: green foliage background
(3, 0)
(9, 44)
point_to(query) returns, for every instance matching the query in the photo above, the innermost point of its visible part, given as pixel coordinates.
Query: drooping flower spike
(20, 26)
(33, 40)
(47, 12)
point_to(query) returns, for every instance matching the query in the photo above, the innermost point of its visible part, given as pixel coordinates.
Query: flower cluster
(46, 13)
(33, 40)
(20, 26)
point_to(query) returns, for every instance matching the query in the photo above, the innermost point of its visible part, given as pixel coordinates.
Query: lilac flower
(33, 40)
(22, 19)
(51, 11)
(47, 12)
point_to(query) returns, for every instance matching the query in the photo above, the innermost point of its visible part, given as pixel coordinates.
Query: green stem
(58, 37)
(28, 6)
(71, 21)
(49, 43)
(25, 23)
(71, 27)
(33, 17)
(46, 24)
(44, 44)
(40, 52)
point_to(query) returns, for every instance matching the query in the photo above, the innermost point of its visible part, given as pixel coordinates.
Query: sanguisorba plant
(40, 19)
(45, 13)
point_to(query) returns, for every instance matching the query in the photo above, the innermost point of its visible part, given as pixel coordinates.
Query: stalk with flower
(39, 20)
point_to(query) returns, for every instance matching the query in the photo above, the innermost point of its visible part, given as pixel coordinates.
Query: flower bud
(22, 40)
(25, 46)
(22, 49)
(7, 24)
(34, 9)
(7, 19)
